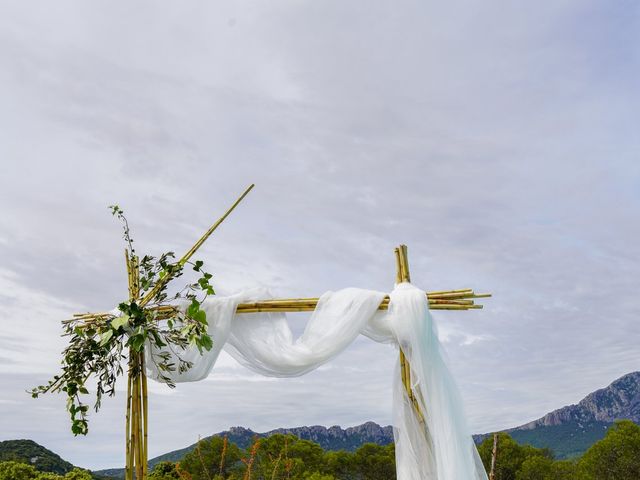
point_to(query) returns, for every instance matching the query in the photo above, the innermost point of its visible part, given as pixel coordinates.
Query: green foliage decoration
(97, 349)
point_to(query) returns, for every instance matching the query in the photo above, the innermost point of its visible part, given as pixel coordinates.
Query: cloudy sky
(499, 140)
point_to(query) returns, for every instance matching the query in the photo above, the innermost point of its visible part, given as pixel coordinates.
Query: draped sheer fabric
(437, 447)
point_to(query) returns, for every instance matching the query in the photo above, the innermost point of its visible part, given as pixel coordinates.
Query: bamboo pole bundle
(445, 300)
(136, 422)
(402, 275)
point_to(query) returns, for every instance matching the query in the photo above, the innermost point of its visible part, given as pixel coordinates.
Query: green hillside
(30, 452)
(569, 440)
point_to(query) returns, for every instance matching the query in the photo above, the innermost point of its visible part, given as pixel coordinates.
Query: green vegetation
(568, 440)
(28, 451)
(615, 457)
(12, 470)
(280, 457)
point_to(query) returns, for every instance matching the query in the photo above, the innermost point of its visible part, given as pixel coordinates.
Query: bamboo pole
(129, 415)
(136, 417)
(141, 459)
(449, 300)
(402, 275)
(166, 311)
(185, 258)
(136, 424)
(134, 420)
(128, 475)
(145, 417)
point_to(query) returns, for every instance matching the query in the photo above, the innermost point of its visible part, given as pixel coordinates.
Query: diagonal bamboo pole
(185, 258)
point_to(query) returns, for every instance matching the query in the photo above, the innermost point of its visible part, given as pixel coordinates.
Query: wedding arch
(430, 431)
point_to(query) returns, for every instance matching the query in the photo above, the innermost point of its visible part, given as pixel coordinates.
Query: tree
(17, 471)
(78, 474)
(164, 471)
(374, 462)
(564, 470)
(339, 464)
(616, 456)
(536, 468)
(211, 457)
(286, 456)
(319, 476)
(511, 455)
(48, 476)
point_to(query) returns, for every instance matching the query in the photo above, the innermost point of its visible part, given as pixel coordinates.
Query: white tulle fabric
(441, 448)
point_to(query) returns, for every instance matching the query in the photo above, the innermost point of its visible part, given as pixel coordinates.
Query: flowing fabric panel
(438, 447)
(442, 448)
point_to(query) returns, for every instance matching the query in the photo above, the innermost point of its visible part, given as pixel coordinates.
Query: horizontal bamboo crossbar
(441, 300)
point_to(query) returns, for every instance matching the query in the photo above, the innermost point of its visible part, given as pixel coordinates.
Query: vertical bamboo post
(402, 275)
(494, 455)
(145, 417)
(136, 417)
(128, 475)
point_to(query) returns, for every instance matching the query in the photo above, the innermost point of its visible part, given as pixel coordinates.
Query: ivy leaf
(194, 308)
(121, 321)
(206, 342)
(201, 316)
(105, 337)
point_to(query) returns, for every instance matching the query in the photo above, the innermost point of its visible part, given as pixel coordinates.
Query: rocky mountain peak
(620, 400)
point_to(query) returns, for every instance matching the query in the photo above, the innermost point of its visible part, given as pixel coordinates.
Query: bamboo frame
(136, 421)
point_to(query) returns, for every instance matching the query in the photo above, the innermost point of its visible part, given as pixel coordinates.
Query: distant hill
(571, 430)
(28, 451)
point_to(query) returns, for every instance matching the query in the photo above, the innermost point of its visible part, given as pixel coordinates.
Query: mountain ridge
(619, 400)
(569, 431)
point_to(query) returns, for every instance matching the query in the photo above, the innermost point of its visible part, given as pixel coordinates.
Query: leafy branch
(98, 347)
